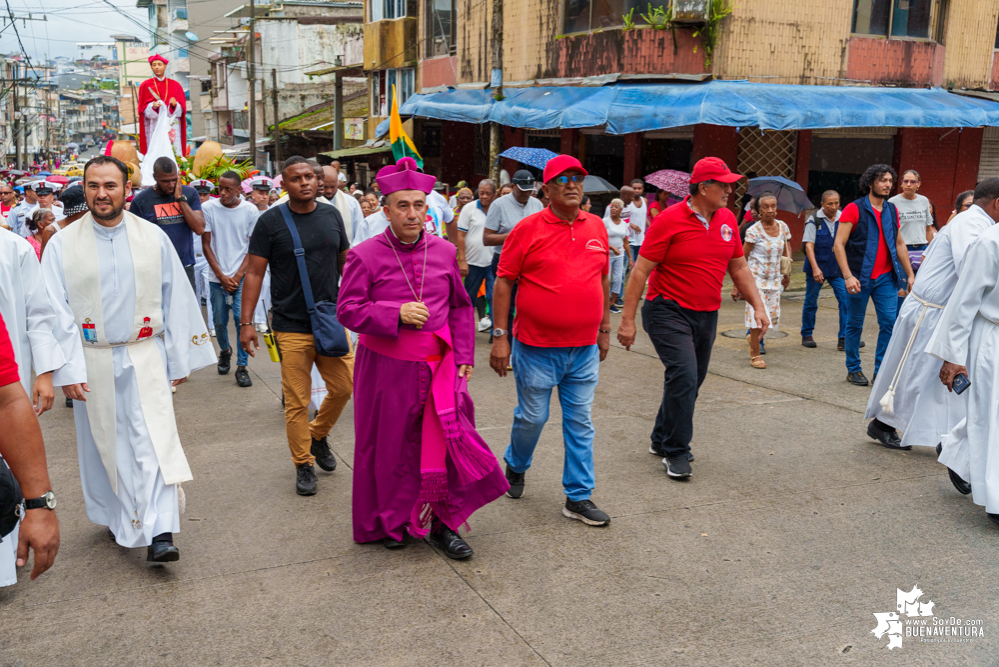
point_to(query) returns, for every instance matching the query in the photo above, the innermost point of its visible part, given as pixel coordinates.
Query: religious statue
(162, 100)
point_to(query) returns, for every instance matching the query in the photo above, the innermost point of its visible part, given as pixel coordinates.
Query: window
(392, 9)
(404, 81)
(441, 34)
(586, 15)
(900, 18)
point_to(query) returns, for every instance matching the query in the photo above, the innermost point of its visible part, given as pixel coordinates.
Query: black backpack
(10, 500)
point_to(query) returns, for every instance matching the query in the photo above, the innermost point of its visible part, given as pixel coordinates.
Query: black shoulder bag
(330, 336)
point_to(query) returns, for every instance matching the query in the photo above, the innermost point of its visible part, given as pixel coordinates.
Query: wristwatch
(182, 198)
(499, 332)
(48, 501)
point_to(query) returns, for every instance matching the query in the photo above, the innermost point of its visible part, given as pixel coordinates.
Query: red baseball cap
(713, 169)
(562, 163)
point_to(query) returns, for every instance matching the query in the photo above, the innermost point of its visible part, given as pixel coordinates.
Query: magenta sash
(443, 436)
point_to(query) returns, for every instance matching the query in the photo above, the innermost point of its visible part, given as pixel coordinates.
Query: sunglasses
(564, 180)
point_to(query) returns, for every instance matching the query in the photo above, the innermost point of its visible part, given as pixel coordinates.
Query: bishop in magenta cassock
(419, 465)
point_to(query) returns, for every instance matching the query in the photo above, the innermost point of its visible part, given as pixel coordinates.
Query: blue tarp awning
(626, 108)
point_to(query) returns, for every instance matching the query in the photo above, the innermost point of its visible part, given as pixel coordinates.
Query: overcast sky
(69, 22)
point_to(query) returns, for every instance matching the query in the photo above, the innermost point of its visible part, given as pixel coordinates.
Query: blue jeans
(476, 274)
(885, 295)
(220, 313)
(574, 370)
(634, 251)
(617, 264)
(812, 304)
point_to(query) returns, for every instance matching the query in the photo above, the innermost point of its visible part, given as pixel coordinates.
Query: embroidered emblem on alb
(89, 331)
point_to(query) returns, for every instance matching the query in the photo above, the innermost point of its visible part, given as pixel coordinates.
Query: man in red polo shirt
(687, 250)
(559, 258)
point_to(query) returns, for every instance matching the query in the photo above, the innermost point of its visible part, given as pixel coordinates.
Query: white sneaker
(485, 324)
(211, 332)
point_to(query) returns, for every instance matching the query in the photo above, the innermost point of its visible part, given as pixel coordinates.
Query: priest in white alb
(967, 341)
(117, 284)
(907, 393)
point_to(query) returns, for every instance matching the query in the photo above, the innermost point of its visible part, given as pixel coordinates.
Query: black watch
(48, 501)
(182, 198)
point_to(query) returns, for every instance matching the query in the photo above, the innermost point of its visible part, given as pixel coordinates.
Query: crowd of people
(372, 295)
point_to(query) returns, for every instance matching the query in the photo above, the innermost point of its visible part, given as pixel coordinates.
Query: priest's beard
(106, 217)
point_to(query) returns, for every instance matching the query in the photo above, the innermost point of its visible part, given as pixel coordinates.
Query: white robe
(151, 117)
(923, 408)
(373, 225)
(30, 321)
(201, 283)
(145, 505)
(968, 335)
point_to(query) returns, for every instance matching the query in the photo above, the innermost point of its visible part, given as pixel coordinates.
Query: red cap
(713, 169)
(560, 164)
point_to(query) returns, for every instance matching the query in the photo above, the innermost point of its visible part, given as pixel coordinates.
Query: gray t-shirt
(808, 236)
(506, 212)
(913, 218)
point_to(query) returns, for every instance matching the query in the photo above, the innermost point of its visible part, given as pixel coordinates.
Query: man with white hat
(260, 192)
(204, 188)
(18, 217)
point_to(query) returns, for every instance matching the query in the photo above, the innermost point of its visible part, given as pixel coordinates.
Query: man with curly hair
(875, 264)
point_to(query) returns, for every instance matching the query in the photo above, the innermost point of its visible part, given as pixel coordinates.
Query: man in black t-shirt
(325, 242)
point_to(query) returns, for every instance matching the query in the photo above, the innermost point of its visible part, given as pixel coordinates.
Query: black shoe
(886, 435)
(516, 480)
(305, 484)
(808, 341)
(857, 378)
(994, 518)
(394, 544)
(677, 467)
(448, 541)
(655, 452)
(224, 361)
(862, 344)
(324, 455)
(162, 552)
(69, 402)
(585, 511)
(243, 377)
(874, 377)
(841, 345)
(955, 479)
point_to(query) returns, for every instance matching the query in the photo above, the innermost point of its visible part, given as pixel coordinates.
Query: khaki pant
(298, 354)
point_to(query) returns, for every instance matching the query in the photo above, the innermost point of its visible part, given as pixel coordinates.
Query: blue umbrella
(535, 157)
(44, 173)
(790, 196)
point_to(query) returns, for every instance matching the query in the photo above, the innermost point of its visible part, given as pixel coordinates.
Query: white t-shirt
(472, 221)
(436, 201)
(616, 233)
(231, 229)
(913, 218)
(640, 217)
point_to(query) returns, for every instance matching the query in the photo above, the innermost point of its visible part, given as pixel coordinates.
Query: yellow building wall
(969, 38)
(530, 29)
(785, 41)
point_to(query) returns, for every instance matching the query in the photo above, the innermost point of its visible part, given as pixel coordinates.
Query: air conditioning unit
(691, 11)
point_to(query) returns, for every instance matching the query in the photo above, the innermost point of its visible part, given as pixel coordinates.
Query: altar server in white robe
(117, 283)
(907, 393)
(967, 341)
(31, 320)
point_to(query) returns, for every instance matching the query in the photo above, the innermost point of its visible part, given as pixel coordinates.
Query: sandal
(757, 362)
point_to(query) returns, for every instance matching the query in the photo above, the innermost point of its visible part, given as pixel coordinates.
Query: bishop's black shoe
(448, 541)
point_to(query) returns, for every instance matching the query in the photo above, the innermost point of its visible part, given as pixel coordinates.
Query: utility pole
(251, 83)
(17, 138)
(496, 82)
(277, 121)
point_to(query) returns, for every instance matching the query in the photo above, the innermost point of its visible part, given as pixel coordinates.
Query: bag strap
(303, 273)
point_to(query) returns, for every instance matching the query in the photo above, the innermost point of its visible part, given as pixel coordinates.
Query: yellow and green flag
(402, 145)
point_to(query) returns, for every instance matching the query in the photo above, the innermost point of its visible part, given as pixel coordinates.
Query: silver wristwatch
(499, 332)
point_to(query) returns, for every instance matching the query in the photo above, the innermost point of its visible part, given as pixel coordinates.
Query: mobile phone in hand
(961, 382)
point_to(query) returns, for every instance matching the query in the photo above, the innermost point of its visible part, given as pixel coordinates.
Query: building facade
(448, 45)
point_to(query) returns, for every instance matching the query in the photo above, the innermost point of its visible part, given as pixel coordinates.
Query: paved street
(793, 531)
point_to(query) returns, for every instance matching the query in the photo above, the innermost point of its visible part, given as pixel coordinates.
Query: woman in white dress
(766, 242)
